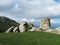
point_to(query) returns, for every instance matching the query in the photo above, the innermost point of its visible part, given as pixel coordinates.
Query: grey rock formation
(33, 29)
(10, 29)
(45, 24)
(30, 25)
(48, 30)
(16, 29)
(56, 31)
(23, 27)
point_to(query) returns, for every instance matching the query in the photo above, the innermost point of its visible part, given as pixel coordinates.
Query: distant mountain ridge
(6, 23)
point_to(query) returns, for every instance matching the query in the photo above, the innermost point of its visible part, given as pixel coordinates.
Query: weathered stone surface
(56, 31)
(33, 29)
(10, 29)
(30, 25)
(16, 29)
(23, 27)
(45, 24)
(48, 30)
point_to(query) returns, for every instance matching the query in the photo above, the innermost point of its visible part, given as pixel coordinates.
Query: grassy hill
(29, 38)
(6, 23)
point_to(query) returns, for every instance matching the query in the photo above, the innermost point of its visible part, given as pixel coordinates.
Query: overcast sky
(30, 9)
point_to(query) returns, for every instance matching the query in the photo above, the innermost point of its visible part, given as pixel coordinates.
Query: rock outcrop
(48, 30)
(6, 23)
(56, 31)
(10, 29)
(33, 29)
(30, 25)
(23, 27)
(45, 24)
(16, 29)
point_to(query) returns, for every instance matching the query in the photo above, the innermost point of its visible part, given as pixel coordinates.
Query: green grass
(29, 38)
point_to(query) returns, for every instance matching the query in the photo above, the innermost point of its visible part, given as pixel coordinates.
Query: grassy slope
(6, 23)
(29, 38)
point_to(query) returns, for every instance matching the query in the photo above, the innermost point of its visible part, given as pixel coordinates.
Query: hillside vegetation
(29, 38)
(6, 23)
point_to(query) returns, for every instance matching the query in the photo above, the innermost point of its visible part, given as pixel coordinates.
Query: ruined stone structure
(23, 27)
(45, 24)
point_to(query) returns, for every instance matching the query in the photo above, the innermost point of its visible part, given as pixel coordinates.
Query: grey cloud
(30, 8)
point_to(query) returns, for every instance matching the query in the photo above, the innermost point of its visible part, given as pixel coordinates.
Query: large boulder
(23, 27)
(45, 24)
